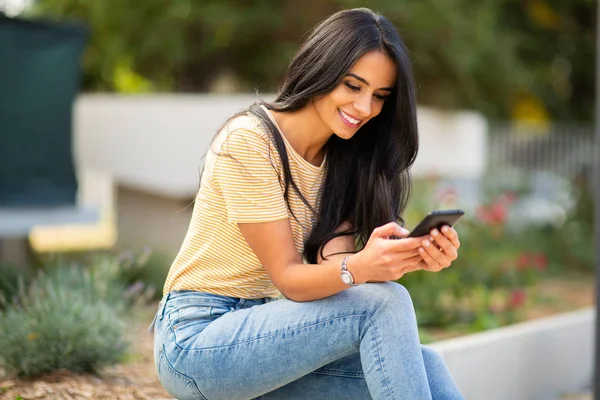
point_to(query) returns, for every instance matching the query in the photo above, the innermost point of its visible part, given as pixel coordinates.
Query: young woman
(301, 198)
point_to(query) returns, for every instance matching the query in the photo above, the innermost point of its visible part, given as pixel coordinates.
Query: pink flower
(541, 262)
(516, 299)
(494, 214)
(524, 261)
(535, 260)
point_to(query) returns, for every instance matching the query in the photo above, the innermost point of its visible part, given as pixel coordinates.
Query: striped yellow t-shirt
(242, 182)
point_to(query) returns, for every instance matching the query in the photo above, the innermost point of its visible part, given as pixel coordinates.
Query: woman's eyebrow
(363, 80)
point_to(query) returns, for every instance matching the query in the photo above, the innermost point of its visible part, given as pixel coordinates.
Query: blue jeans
(361, 343)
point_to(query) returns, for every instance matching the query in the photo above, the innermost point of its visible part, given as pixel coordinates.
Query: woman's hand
(439, 250)
(385, 259)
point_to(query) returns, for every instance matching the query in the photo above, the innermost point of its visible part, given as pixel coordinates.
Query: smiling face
(359, 96)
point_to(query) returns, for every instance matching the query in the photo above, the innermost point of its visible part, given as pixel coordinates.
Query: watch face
(347, 278)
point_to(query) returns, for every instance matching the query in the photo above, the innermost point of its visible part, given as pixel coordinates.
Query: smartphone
(435, 220)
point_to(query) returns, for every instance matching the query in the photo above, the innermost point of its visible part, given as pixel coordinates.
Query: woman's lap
(283, 348)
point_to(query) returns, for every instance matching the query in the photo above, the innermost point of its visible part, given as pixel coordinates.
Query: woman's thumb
(391, 229)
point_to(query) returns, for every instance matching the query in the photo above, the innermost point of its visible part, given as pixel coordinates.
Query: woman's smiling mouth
(348, 120)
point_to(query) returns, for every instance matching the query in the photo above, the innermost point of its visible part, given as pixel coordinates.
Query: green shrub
(147, 271)
(11, 277)
(69, 318)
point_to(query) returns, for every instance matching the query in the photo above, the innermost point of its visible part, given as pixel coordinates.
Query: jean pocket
(189, 315)
(189, 321)
(177, 384)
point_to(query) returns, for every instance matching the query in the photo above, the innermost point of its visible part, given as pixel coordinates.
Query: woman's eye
(381, 97)
(352, 87)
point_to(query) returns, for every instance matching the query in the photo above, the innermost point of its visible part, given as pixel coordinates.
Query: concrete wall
(537, 360)
(146, 219)
(153, 147)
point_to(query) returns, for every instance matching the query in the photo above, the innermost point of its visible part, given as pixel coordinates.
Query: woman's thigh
(344, 379)
(341, 379)
(252, 351)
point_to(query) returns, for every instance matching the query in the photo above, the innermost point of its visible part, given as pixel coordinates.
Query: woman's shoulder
(244, 131)
(246, 121)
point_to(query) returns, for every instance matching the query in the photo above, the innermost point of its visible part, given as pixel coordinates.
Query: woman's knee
(431, 357)
(381, 294)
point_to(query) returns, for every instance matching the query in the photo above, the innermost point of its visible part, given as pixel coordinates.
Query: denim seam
(384, 379)
(186, 378)
(340, 373)
(270, 334)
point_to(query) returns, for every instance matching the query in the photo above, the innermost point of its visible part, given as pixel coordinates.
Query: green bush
(68, 318)
(11, 277)
(145, 272)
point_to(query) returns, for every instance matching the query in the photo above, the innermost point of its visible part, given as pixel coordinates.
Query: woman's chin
(345, 133)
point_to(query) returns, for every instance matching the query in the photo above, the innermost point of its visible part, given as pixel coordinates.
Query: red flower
(541, 262)
(516, 299)
(524, 261)
(499, 212)
(535, 260)
(494, 214)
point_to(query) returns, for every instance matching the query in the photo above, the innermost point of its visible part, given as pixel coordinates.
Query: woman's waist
(215, 304)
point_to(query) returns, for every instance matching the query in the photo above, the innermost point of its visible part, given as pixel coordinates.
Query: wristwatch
(346, 275)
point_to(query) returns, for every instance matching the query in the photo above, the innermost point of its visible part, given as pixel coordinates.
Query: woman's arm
(381, 259)
(273, 244)
(340, 247)
(336, 249)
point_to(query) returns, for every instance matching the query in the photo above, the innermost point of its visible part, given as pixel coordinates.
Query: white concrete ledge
(541, 359)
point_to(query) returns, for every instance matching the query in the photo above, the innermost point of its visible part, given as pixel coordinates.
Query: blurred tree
(557, 44)
(497, 56)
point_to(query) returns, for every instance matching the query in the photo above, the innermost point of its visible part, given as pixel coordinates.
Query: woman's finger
(435, 253)
(428, 263)
(389, 229)
(452, 236)
(402, 245)
(416, 266)
(444, 244)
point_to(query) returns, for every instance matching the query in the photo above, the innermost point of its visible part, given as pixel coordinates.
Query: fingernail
(421, 250)
(445, 229)
(435, 232)
(431, 238)
(425, 243)
(404, 231)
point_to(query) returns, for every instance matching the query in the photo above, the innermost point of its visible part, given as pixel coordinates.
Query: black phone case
(436, 219)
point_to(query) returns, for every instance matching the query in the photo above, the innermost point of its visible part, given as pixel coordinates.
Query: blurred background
(107, 108)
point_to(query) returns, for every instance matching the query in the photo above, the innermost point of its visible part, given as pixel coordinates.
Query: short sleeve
(245, 172)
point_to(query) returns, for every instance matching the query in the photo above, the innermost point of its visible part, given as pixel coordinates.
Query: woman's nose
(363, 107)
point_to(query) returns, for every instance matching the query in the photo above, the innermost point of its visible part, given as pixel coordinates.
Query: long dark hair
(368, 178)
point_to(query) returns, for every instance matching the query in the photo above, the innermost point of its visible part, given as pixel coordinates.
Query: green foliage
(69, 317)
(11, 277)
(481, 55)
(147, 272)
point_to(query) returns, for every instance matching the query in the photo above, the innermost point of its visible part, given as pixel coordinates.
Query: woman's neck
(305, 131)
